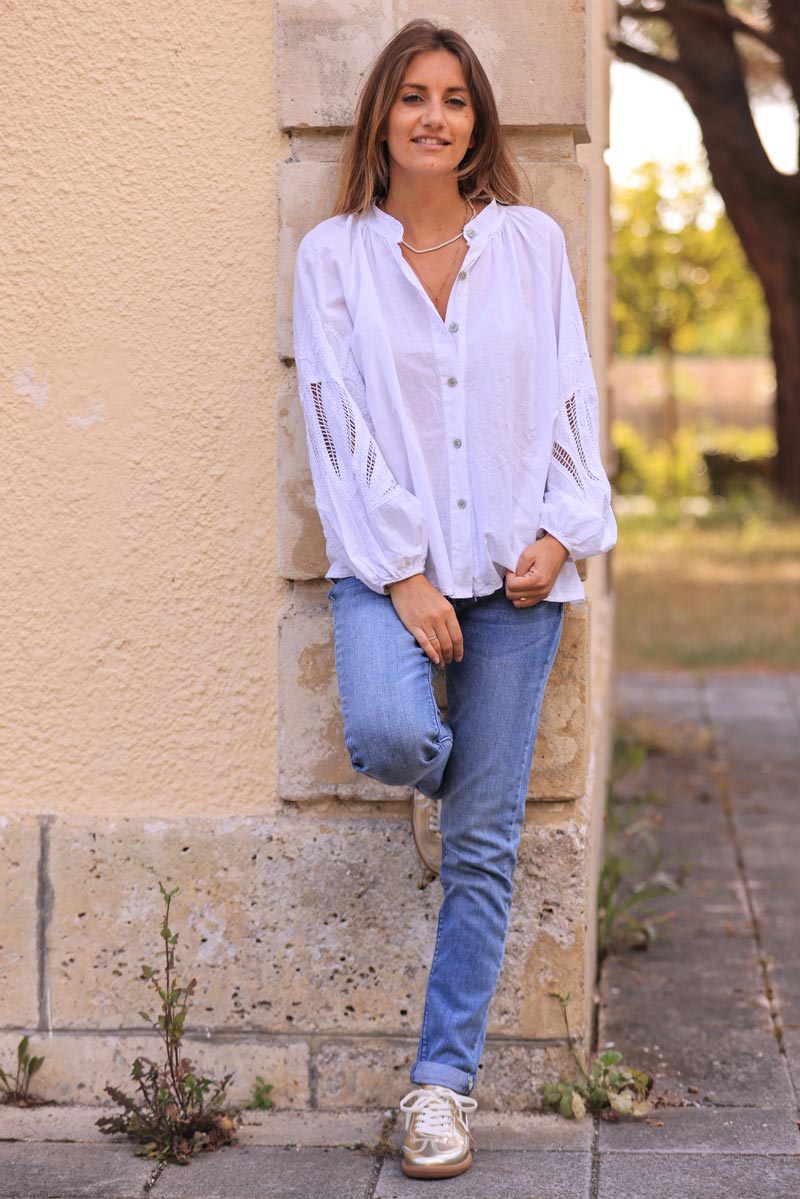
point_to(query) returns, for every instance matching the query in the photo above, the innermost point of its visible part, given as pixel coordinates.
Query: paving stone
(714, 981)
(698, 1176)
(312, 1129)
(534, 1175)
(54, 1122)
(78, 1123)
(791, 1041)
(71, 1171)
(242, 1173)
(703, 1129)
(758, 780)
(543, 1131)
(693, 1007)
(730, 1066)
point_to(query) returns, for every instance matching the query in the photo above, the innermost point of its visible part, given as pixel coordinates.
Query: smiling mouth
(430, 141)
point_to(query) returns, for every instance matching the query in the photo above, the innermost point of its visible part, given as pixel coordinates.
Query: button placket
(461, 530)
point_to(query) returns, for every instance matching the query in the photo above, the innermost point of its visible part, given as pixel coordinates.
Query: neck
(428, 209)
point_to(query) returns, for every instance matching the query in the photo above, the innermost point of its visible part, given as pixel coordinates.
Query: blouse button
(457, 442)
(451, 382)
(453, 327)
(462, 503)
(462, 275)
(470, 232)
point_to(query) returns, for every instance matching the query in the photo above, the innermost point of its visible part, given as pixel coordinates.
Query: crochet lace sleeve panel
(343, 451)
(576, 446)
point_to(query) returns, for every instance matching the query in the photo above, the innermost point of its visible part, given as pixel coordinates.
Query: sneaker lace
(435, 1112)
(434, 816)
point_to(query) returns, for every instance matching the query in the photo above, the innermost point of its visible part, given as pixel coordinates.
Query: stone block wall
(171, 701)
(540, 78)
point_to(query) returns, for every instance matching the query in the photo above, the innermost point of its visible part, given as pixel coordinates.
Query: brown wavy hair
(486, 172)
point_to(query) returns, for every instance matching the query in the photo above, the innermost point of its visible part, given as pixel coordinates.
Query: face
(430, 124)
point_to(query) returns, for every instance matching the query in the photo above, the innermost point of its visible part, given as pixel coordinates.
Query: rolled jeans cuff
(443, 1076)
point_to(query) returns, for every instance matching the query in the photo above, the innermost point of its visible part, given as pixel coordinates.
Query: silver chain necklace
(441, 245)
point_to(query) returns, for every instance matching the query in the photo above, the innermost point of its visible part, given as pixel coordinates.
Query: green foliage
(683, 284)
(674, 470)
(261, 1100)
(661, 471)
(625, 919)
(178, 1112)
(16, 1089)
(608, 1085)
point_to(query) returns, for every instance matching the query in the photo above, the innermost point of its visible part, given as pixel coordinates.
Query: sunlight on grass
(720, 588)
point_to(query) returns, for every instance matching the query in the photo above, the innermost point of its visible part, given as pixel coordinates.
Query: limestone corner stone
(77, 1068)
(19, 866)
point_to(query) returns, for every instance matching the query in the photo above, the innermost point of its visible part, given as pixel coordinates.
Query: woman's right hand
(426, 613)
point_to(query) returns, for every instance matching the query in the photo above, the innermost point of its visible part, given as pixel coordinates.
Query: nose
(434, 112)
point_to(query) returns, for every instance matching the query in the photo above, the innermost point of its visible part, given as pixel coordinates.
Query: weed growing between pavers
(178, 1112)
(608, 1085)
(16, 1090)
(382, 1148)
(625, 921)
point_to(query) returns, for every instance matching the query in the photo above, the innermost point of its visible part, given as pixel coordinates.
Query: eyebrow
(420, 87)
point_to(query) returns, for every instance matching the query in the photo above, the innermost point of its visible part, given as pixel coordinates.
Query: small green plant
(607, 1086)
(624, 919)
(16, 1090)
(261, 1100)
(178, 1113)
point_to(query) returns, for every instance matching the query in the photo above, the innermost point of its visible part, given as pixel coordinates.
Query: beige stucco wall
(169, 694)
(139, 380)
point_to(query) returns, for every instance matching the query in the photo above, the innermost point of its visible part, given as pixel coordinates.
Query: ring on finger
(432, 637)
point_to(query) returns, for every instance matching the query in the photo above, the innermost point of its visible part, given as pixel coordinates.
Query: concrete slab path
(712, 1007)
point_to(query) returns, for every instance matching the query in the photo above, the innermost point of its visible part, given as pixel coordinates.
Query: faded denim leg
(494, 700)
(393, 728)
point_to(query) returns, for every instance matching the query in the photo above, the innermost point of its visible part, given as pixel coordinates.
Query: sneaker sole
(437, 1171)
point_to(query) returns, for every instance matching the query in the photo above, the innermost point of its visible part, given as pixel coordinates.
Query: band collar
(484, 223)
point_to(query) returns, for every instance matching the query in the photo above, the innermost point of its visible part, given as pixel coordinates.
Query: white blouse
(447, 446)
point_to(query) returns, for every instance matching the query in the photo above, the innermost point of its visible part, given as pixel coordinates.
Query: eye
(411, 97)
(458, 102)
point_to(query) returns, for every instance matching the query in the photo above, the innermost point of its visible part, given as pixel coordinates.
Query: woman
(451, 417)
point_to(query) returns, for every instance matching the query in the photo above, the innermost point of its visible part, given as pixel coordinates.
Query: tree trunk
(669, 400)
(783, 288)
(763, 205)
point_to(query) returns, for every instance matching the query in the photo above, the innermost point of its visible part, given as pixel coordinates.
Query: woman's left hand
(537, 571)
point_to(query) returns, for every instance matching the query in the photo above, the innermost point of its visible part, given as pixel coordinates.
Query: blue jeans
(478, 764)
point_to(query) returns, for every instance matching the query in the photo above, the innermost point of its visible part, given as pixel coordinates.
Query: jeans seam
(342, 704)
(437, 716)
(423, 1045)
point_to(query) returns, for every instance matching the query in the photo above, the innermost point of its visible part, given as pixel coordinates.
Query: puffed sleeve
(379, 526)
(576, 507)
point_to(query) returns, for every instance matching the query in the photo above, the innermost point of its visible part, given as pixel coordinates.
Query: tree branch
(641, 13)
(667, 69)
(720, 16)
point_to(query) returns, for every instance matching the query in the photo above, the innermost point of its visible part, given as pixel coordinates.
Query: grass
(713, 588)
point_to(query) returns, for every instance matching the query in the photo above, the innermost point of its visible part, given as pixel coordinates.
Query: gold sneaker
(425, 825)
(436, 1143)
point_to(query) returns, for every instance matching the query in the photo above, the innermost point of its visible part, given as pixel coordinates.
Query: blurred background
(705, 380)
